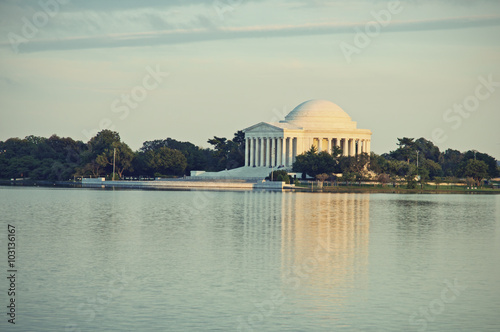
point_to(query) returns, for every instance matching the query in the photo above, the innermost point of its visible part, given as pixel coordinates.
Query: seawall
(183, 184)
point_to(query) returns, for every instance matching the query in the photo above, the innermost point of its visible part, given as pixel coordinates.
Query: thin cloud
(178, 36)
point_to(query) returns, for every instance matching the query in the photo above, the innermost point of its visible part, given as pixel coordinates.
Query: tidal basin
(133, 260)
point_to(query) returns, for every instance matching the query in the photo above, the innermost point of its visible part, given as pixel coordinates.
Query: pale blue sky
(234, 63)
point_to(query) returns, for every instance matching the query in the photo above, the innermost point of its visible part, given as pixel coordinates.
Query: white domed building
(318, 123)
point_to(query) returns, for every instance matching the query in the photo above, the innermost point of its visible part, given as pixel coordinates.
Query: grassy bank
(401, 189)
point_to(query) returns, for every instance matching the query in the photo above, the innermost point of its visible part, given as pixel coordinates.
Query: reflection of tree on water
(324, 242)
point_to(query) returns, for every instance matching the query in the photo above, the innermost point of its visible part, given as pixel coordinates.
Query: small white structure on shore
(318, 123)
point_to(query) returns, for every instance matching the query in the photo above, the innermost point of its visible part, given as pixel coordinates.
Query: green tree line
(62, 158)
(413, 161)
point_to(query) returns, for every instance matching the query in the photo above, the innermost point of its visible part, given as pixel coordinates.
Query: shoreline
(237, 186)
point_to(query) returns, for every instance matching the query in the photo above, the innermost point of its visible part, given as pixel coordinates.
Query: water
(103, 260)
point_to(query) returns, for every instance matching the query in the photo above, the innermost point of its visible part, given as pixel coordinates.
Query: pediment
(263, 127)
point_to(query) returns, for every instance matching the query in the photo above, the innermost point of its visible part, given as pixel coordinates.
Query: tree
(427, 149)
(378, 164)
(280, 176)
(423, 173)
(430, 167)
(450, 180)
(357, 166)
(336, 152)
(470, 181)
(239, 138)
(229, 154)
(92, 168)
(165, 161)
(102, 141)
(321, 178)
(438, 180)
(348, 177)
(476, 169)
(123, 157)
(237, 150)
(99, 146)
(398, 168)
(451, 160)
(313, 163)
(383, 179)
(197, 158)
(410, 179)
(491, 163)
(39, 158)
(406, 147)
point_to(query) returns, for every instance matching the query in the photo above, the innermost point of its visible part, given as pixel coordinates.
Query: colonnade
(277, 151)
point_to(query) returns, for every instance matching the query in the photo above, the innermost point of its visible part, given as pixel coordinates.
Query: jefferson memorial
(318, 123)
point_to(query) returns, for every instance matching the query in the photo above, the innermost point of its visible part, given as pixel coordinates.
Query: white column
(351, 147)
(278, 151)
(264, 152)
(320, 144)
(247, 151)
(290, 151)
(261, 161)
(358, 147)
(247, 148)
(343, 146)
(255, 151)
(273, 151)
(337, 142)
(368, 146)
(283, 152)
(329, 145)
(252, 151)
(268, 151)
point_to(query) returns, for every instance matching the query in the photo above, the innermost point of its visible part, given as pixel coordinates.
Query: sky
(193, 69)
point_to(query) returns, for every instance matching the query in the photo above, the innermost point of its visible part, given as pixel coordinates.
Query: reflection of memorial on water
(317, 243)
(324, 242)
(262, 230)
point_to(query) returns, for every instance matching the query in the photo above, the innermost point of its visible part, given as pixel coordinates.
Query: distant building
(318, 123)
